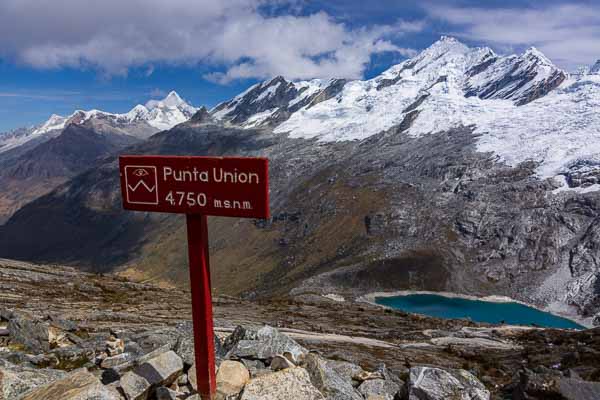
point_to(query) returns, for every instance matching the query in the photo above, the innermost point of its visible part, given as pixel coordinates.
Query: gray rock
(574, 389)
(288, 384)
(268, 343)
(554, 386)
(387, 374)
(31, 333)
(134, 386)
(153, 340)
(239, 333)
(333, 385)
(126, 366)
(161, 370)
(256, 367)
(184, 346)
(163, 393)
(111, 362)
(78, 385)
(280, 362)
(347, 370)
(386, 390)
(429, 383)
(16, 380)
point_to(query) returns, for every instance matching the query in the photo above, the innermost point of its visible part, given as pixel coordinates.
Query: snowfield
(556, 130)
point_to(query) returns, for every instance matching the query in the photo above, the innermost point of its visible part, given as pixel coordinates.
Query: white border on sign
(155, 184)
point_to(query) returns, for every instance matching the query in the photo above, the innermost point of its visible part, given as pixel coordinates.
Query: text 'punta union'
(218, 175)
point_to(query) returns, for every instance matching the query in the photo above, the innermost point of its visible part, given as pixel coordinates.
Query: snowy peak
(271, 102)
(478, 72)
(522, 78)
(53, 123)
(141, 121)
(172, 100)
(158, 114)
(446, 46)
(162, 114)
(595, 69)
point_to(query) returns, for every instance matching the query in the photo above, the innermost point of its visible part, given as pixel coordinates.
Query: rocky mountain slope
(64, 334)
(457, 170)
(35, 160)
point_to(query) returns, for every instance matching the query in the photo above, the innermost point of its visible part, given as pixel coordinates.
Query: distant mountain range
(141, 122)
(35, 160)
(457, 170)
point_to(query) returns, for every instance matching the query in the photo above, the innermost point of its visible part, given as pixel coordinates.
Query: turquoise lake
(476, 310)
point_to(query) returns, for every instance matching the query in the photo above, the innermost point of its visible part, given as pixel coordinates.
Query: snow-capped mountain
(141, 122)
(414, 179)
(523, 106)
(271, 102)
(450, 82)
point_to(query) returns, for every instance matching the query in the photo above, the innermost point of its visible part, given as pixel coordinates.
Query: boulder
(30, 333)
(349, 371)
(78, 385)
(550, 386)
(288, 384)
(184, 346)
(380, 388)
(575, 389)
(280, 362)
(267, 343)
(152, 340)
(333, 385)
(383, 370)
(239, 333)
(134, 386)
(232, 376)
(429, 383)
(16, 380)
(161, 370)
(256, 367)
(119, 369)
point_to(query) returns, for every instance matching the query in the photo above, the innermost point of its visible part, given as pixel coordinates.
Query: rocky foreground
(69, 335)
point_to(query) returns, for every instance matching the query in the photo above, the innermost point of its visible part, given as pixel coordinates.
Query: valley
(417, 179)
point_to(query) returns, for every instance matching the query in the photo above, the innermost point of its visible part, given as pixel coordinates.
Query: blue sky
(61, 55)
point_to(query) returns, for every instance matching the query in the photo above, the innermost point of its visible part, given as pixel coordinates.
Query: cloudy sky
(60, 55)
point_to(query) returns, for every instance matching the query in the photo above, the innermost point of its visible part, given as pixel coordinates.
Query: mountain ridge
(155, 115)
(398, 182)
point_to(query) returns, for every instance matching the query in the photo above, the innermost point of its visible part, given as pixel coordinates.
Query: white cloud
(115, 35)
(569, 34)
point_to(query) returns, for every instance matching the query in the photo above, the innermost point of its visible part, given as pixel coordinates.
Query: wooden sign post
(197, 187)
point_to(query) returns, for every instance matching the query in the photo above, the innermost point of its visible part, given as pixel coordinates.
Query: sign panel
(224, 186)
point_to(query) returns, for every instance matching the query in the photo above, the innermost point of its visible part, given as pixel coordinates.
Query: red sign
(197, 186)
(225, 186)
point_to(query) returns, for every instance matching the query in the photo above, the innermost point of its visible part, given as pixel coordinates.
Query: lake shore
(371, 299)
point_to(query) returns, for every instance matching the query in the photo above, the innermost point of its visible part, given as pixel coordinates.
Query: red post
(204, 345)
